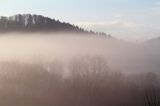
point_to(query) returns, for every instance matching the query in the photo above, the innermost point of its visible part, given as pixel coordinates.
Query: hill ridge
(39, 23)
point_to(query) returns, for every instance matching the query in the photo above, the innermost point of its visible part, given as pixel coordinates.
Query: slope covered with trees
(34, 23)
(90, 83)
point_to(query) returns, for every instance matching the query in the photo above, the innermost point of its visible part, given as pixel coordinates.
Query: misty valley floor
(58, 70)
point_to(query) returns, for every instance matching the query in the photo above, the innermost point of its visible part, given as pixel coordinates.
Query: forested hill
(39, 23)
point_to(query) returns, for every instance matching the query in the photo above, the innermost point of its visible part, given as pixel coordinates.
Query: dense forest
(39, 23)
(89, 82)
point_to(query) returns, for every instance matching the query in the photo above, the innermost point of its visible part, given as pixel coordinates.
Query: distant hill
(153, 41)
(34, 23)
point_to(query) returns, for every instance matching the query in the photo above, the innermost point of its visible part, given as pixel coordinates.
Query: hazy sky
(129, 19)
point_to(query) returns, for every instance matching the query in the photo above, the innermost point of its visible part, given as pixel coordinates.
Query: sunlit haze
(79, 52)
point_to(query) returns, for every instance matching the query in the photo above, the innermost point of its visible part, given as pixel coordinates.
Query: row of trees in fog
(88, 82)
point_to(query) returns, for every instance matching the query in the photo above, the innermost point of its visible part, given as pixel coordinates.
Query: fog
(40, 69)
(42, 47)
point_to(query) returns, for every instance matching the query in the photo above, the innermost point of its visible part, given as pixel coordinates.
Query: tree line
(89, 82)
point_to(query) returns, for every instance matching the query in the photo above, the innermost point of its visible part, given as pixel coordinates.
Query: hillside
(39, 23)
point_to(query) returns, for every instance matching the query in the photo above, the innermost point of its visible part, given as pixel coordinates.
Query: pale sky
(125, 19)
